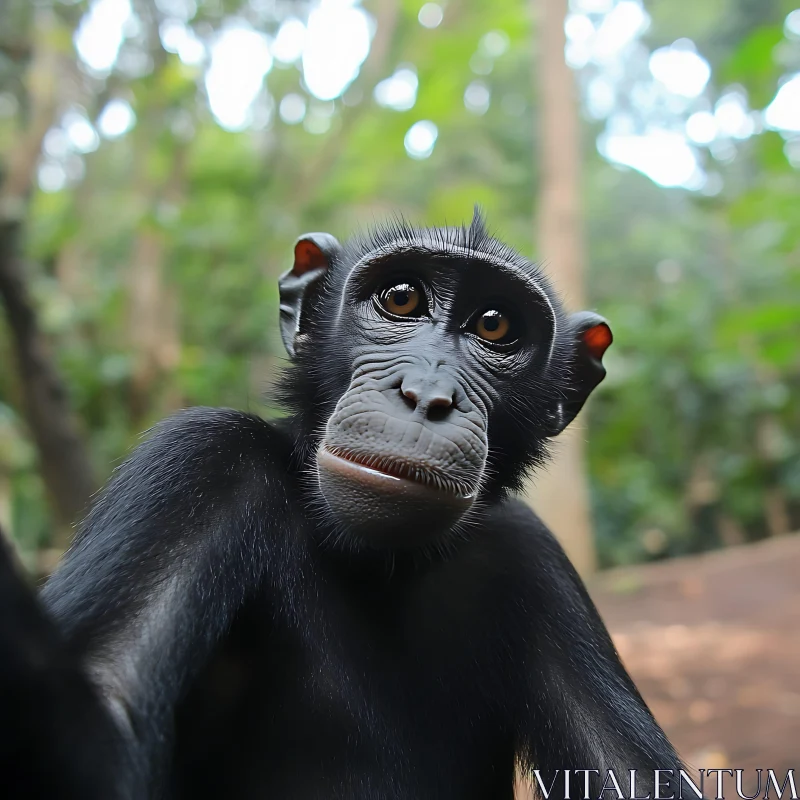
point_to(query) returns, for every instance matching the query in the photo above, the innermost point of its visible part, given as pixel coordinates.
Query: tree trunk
(153, 329)
(153, 324)
(560, 493)
(63, 457)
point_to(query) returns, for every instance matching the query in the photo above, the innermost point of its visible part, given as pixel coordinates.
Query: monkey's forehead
(459, 243)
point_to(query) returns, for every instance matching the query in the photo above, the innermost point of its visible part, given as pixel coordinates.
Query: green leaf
(754, 66)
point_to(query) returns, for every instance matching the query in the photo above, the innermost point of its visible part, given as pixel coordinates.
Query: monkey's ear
(313, 255)
(592, 336)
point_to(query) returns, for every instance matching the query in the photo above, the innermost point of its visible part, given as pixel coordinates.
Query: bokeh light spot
(477, 97)
(51, 177)
(420, 139)
(398, 92)
(621, 26)
(116, 119)
(80, 132)
(783, 113)
(578, 27)
(177, 37)
(290, 42)
(792, 151)
(292, 109)
(791, 25)
(664, 156)
(101, 32)
(240, 58)
(430, 15)
(680, 69)
(732, 115)
(701, 127)
(494, 43)
(337, 42)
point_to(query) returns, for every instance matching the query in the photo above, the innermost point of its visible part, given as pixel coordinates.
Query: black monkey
(349, 603)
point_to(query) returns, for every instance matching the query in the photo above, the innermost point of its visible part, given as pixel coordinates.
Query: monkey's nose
(430, 398)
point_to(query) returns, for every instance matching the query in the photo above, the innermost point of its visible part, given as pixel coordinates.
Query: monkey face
(445, 358)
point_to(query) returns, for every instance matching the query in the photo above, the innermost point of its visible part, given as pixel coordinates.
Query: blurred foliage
(695, 438)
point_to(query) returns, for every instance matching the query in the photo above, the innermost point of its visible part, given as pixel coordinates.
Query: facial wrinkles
(375, 388)
(478, 390)
(369, 361)
(389, 333)
(474, 386)
(369, 367)
(370, 419)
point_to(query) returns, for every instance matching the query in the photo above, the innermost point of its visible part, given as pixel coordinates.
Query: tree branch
(63, 456)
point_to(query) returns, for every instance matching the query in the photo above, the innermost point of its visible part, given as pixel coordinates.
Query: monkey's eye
(494, 326)
(403, 299)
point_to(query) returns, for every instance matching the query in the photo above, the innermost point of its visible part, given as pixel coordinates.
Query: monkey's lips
(390, 503)
(392, 475)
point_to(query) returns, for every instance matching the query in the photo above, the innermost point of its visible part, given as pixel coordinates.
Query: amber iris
(402, 300)
(493, 326)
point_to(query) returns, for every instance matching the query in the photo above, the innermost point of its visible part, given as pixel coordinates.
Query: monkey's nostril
(437, 412)
(410, 397)
(442, 401)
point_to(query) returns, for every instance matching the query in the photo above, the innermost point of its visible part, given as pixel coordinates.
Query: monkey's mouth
(390, 474)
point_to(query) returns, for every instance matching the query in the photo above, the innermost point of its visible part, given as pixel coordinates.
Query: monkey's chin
(385, 510)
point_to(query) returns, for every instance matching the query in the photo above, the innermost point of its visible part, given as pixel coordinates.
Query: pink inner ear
(598, 339)
(307, 256)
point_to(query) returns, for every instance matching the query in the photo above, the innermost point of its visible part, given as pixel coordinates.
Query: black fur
(239, 655)
(55, 738)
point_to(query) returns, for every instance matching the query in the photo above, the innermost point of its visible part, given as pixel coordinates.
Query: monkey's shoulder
(514, 521)
(510, 532)
(199, 440)
(203, 426)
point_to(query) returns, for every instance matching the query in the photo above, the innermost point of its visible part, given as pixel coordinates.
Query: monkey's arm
(176, 542)
(55, 738)
(579, 708)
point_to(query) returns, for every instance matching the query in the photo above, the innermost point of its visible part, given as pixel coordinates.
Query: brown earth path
(713, 643)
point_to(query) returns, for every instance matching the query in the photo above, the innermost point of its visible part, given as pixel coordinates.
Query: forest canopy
(159, 157)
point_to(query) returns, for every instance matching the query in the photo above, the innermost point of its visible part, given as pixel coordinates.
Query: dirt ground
(713, 643)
